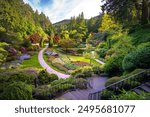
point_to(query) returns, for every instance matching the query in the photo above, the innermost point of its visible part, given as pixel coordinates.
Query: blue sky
(58, 10)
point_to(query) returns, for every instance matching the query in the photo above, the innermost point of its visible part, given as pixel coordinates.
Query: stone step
(145, 88)
(138, 91)
(77, 95)
(82, 95)
(67, 96)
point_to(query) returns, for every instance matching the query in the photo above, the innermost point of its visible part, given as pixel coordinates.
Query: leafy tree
(108, 24)
(128, 10)
(67, 43)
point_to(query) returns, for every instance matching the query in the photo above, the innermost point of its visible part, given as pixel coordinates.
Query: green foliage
(144, 45)
(114, 66)
(80, 83)
(128, 12)
(102, 49)
(106, 94)
(45, 78)
(18, 20)
(137, 59)
(97, 70)
(130, 95)
(108, 24)
(70, 66)
(87, 71)
(23, 77)
(140, 35)
(67, 43)
(26, 43)
(3, 55)
(112, 80)
(17, 91)
(136, 71)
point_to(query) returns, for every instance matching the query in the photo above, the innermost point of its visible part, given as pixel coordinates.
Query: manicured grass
(81, 58)
(32, 63)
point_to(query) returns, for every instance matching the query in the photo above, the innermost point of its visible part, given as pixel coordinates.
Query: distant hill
(63, 22)
(92, 23)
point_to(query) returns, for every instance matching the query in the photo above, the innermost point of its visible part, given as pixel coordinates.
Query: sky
(58, 10)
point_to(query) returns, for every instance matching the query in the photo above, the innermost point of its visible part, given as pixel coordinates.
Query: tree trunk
(145, 13)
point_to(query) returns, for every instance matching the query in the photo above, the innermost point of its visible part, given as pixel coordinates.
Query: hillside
(18, 20)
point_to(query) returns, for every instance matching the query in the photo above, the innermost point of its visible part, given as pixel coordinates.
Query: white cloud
(64, 9)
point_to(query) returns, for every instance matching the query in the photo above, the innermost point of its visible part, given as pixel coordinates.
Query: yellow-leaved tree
(108, 24)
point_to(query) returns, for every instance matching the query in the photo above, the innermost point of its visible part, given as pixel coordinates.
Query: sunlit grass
(32, 63)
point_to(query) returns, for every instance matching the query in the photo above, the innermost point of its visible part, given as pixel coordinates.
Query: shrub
(113, 66)
(87, 71)
(57, 82)
(79, 75)
(45, 78)
(106, 94)
(53, 77)
(21, 77)
(130, 95)
(17, 91)
(112, 80)
(60, 88)
(80, 83)
(80, 50)
(137, 59)
(79, 70)
(97, 70)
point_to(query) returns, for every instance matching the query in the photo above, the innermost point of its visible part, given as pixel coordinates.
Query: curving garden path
(51, 70)
(47, 67)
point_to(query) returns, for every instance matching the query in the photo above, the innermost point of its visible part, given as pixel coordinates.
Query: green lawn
(32, 63)
(81, 58)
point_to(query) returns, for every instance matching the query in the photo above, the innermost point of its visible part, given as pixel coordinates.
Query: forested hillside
(18, 20)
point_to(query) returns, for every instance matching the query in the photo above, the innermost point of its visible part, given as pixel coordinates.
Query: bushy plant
(21, 77)
(79, 70)
(17, 91)
(137, 59)
(80, 83)
(113, 66)
(130, 95)
(112, 80)
(45, 78)
(106, 94)
(87, 71)
(97, 70)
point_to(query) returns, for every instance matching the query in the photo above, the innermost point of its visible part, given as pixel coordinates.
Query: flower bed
(80, 63)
